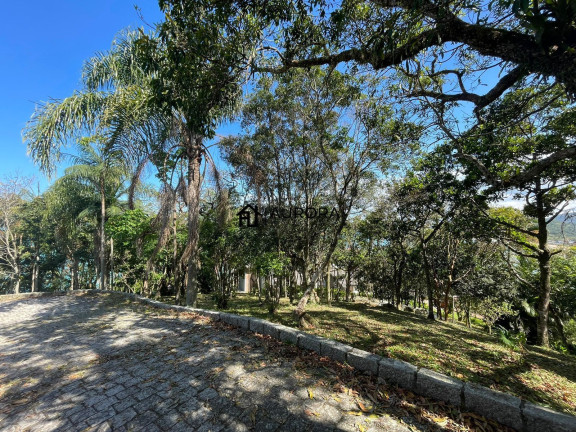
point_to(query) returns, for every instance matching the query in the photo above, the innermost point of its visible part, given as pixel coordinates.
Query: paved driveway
(100, 363)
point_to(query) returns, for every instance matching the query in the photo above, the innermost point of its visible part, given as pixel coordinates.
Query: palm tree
(114, 107)
(102, 170)
(120, 101)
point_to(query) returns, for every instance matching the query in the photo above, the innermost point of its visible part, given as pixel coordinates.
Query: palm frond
(55, 122)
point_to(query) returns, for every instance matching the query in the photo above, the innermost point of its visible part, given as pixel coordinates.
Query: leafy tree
(315, 140)
(12, 193)
(491, 309)
(197, 69)
(500, 149)
(38, 228)
(133, 239)
(349, 255)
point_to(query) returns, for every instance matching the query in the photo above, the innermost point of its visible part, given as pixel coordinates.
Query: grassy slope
(539, 375)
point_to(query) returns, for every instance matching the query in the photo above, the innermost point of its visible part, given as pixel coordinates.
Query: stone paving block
(398, 372)
(363, 361)
(168, 420)
(324, 412)
(100, 417)
(145, 393)
(502, 407)
(141, 421)
(120, 419)
(106, 403)
(235, 426)
(335, 350)
(539, 419)
(439, 386)
(125, 404)
(147, 404)
(80, 416)
(210, 427)
(207, 394)
(266, 424)
(102, 427)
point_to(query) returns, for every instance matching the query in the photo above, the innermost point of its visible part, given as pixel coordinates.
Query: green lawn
(539, 375)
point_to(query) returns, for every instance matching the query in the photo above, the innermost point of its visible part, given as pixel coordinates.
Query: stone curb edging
(504, 408)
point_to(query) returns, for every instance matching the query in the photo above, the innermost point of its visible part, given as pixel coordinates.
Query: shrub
(511, 339)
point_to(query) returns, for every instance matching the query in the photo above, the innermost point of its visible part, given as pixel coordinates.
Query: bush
(570, 330)
(511, 339)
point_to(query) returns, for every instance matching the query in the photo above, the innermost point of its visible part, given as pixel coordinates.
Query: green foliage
(511, 339)
(570, 329)
(128, 227)
(491, 309)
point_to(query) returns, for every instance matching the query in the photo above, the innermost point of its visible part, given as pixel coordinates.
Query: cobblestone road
(100, 363)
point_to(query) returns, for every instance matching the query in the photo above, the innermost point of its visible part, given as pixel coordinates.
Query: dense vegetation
(399, 125)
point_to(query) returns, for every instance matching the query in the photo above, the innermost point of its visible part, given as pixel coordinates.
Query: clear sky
(43, 45)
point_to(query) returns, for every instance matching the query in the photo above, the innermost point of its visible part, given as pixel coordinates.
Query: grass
(539, 375)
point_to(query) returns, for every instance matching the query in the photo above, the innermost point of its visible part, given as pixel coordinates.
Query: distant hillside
(562, 230)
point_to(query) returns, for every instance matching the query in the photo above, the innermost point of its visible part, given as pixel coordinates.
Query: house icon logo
(249, 216)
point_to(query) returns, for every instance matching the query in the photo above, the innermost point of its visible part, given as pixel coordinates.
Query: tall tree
(12, 192)
(198, 69)
(499, 149)
(439, 51)
(316, 140)
(104, 172)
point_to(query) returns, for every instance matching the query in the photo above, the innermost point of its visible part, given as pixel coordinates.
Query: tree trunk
(35, 271)
(447, 297)
(17, 280)
(544, 256)
(348, 285)
(428, 284)
(544, 298)
(74, 275)
(328, 287)
(398, 276)
(112, 263)
(102, 235)
(300, 310)
(193, 198)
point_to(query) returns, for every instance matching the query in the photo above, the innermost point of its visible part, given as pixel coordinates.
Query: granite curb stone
(310, 342)
(257, 325)
(243, 322)
(398, 372)
(539, 418)
(439, 386)
(270, 329)
(502, 407)
(335, 350)
(364, 361)
(288, 334)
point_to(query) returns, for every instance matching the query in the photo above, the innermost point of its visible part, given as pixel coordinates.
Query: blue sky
(43, 46)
